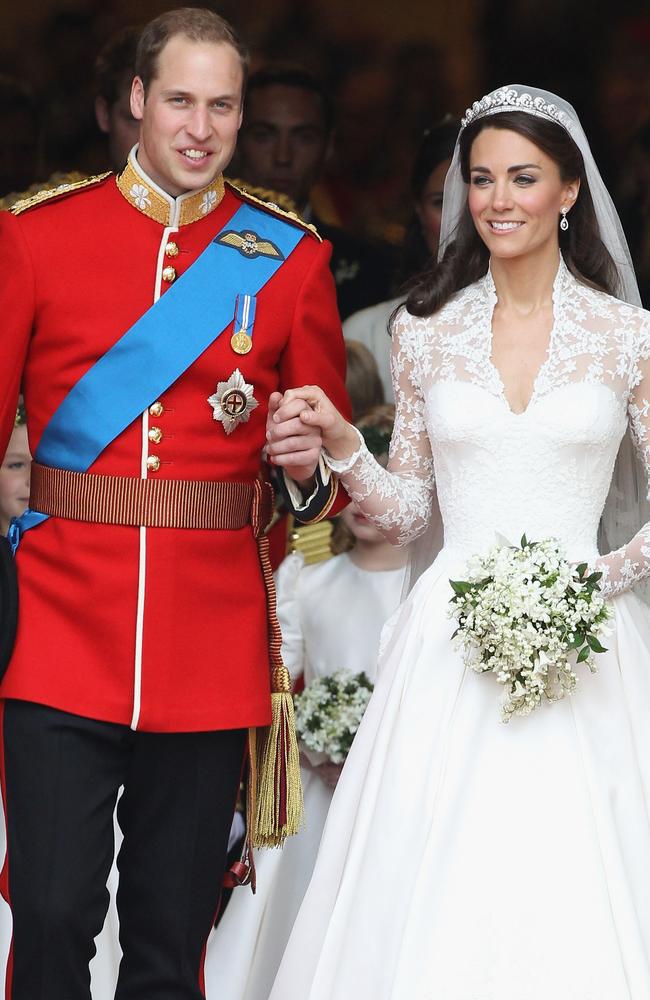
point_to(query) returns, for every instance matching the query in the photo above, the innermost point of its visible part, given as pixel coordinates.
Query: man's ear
(137, 98)
(102, 114)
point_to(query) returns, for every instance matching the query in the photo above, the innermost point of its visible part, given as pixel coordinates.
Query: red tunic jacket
(162, 629)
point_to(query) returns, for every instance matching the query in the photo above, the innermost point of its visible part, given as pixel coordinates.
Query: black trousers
(62, 774)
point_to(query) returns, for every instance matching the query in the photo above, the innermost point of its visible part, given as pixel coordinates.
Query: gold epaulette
(49, 193)
(275, 199)
(272, 206)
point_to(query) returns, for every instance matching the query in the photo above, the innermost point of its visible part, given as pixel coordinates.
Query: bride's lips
(502, 228)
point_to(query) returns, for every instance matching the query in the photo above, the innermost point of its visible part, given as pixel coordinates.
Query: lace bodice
(546, 471)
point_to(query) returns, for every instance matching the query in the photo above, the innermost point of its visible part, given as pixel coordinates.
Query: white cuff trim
(345, 464)
(299, 502)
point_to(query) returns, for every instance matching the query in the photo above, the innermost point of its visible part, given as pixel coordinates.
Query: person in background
(114, 72)
(20, 130)
(117, 677)
(15, 473)
(285, 140)
(331, 614)
(521, 360)
(362, 381)
(370, 326)
(14, 498)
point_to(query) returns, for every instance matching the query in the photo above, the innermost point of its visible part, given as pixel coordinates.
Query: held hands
(299, 423)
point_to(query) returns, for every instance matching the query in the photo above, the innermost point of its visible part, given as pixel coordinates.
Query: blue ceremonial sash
(162, 344)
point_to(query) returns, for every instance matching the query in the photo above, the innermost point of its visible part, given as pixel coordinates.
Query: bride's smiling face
(516, 193)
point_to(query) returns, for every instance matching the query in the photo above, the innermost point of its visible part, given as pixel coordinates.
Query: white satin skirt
(467, 859)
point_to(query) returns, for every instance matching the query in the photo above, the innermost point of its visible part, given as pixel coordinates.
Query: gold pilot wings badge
(233, 402)
(249, 244)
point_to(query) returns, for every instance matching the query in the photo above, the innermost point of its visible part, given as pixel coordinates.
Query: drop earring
(564, 222)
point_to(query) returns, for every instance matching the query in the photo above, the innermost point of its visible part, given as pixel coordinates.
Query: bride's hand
(338, 436)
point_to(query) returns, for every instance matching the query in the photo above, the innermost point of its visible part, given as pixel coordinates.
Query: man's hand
(308, 408)
(292, 444)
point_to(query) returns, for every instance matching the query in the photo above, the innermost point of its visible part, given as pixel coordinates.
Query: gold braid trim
(329, 503)
(312, 541)
(274, 199)
(275, 209)
(49, 194)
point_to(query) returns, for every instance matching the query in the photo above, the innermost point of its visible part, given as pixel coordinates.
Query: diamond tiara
(511, 100)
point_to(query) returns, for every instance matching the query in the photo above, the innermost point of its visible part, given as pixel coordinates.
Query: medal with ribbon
(242, 339)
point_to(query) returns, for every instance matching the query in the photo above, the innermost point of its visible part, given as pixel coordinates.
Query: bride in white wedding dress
(465, 859)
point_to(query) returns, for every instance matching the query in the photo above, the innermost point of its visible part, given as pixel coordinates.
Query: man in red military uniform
(142, 652)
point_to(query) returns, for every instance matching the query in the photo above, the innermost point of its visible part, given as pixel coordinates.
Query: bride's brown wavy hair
(466, 258)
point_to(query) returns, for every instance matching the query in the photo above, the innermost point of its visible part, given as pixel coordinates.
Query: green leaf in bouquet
(461, 587)
(578, 640)
(524, 542)
(583, 654)
(594, 577)
(595, 644)
(581, 569)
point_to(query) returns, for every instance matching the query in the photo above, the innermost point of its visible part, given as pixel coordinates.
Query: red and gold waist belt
(151, 503)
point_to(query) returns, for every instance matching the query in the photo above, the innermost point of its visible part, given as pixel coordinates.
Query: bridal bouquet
(328, 713)
(528, 616)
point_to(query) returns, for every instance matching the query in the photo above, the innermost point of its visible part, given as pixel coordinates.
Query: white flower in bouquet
(328, 713)
(528, 616)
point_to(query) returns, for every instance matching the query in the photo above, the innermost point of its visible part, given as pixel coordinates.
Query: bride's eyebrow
(511, 170)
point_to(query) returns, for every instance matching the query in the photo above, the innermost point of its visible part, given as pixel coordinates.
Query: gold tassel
(275, 806)
(276, 799)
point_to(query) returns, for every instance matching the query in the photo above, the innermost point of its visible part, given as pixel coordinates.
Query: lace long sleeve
(630, 564)
(396, 499)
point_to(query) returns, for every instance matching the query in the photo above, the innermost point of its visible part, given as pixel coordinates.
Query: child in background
(331, 616)
(14, 473)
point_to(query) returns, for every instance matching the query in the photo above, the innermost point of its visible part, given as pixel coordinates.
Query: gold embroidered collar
(141, 192)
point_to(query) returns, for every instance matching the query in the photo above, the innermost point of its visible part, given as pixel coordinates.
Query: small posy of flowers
(528, 616)
(329, 710)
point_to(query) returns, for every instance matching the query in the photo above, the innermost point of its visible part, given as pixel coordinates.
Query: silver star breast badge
(233, 402)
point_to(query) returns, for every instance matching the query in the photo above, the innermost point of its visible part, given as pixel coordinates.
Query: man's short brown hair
(196, 23)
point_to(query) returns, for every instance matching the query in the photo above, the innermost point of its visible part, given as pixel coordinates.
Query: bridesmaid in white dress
(465, 859)
(331, 616)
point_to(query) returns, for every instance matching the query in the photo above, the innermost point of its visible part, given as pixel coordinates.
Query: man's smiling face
(190, 114)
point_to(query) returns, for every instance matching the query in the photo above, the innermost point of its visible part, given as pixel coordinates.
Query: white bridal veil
(627, 506)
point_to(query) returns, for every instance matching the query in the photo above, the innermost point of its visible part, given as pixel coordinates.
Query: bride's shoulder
(451, 316)
(620, 314)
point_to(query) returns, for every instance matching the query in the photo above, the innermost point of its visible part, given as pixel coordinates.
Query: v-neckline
(490, 289)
